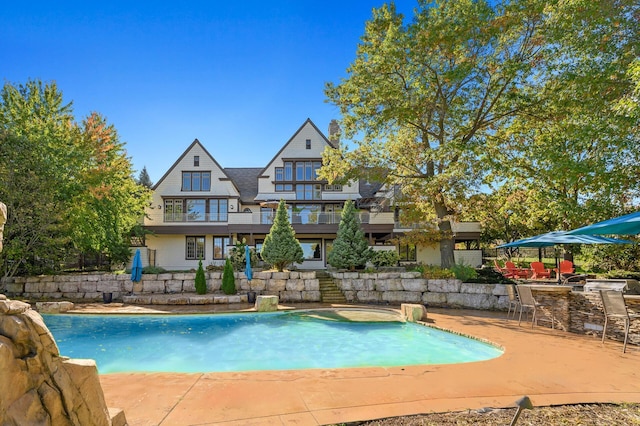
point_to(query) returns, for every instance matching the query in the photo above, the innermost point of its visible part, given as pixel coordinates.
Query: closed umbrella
(622, 225)
(247, 269)
(136, 267)
(251, 295)
(559, 237)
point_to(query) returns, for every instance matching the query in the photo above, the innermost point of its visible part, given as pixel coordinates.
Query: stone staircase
(329, 291)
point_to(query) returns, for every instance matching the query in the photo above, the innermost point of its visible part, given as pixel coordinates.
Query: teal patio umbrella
(136, 267)
(560, 237)
(622, 225)
(247, 268)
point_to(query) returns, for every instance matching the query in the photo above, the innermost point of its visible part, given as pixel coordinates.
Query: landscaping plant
(350, 248)
(228, 279)
(201, 281)
(281, 247)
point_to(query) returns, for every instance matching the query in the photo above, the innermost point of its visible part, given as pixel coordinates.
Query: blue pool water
(243, 342)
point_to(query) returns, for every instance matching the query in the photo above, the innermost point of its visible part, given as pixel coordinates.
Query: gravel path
(587, 414)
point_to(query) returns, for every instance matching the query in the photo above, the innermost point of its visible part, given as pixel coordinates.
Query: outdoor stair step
(329, 291)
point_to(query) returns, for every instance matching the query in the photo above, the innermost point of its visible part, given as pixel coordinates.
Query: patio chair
(505, 273)
(515, 271)
(565, 267)
(514, 302)
(615, 307)
(529, 302)
(539, 271)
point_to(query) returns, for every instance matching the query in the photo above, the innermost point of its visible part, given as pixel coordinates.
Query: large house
(200, 209)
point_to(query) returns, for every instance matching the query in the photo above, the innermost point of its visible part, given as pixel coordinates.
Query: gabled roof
(246, 180)
(308, 121)
(194, 143)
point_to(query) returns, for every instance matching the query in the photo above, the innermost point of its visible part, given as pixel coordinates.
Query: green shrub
(434, 272)
(228, 279)
(153, 270)
(489, 276)
(627, 275)
(201, 281)
(464, 272)
(385, 258)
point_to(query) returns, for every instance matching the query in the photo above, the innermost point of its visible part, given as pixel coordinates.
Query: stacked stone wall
(291, 286)
(395, 288)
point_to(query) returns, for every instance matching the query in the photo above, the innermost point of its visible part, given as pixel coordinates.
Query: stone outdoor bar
(575, 311)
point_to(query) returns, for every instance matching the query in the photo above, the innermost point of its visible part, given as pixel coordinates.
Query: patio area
(552, 367)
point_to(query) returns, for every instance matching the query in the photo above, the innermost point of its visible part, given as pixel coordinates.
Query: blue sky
(239, 76)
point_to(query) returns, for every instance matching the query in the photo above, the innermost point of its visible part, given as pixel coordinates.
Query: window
(288, 171)
(220, 247)
(173, 210)
(196, 181)
(299, 171)
(308, 192)
(279, 174)
(333, 188)
(407, 252)
(196, 160)
(218, 210)
(307, 213)
(311, 249)
(259, 244)
(308, 143)
(196, 210)
(195, 248)
(281, 187)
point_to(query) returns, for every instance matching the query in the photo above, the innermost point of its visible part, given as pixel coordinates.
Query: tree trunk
(446, 243)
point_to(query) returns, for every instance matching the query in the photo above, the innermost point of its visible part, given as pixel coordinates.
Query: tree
(350, 248)
(425, 96)
(111, 203)
(144, 179)
(228, 279)
(39, 163)
(280, 247)
(201, 281)
(576, 152)
(69, 187)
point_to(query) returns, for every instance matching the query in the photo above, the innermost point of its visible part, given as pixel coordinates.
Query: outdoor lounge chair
(529, 302)
(515, 271)
(615, 307)
(514, 302)
(504, 271)
(539, 271)
(566, 267)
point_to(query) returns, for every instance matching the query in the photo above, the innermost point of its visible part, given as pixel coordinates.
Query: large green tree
(110, 202)
(422, 97)
(576, 152)
(38, 163)
(68, 187)
(280, 247)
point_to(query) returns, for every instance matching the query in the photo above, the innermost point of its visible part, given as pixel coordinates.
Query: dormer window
(196, 181)
(308, 143)
(196, 160)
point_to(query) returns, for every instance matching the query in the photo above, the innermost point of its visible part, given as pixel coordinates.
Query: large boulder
(40, 387)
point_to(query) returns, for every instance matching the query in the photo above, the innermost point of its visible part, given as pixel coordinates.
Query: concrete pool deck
(550, 366)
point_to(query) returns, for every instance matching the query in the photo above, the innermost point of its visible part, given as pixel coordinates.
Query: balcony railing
(256, 218)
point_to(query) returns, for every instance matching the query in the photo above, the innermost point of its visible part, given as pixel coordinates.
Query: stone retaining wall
(408, 287)
(291, 286)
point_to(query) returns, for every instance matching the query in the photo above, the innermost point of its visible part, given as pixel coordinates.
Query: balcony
(264, 218)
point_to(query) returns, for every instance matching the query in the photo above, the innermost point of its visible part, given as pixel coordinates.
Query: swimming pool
(254, 341)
